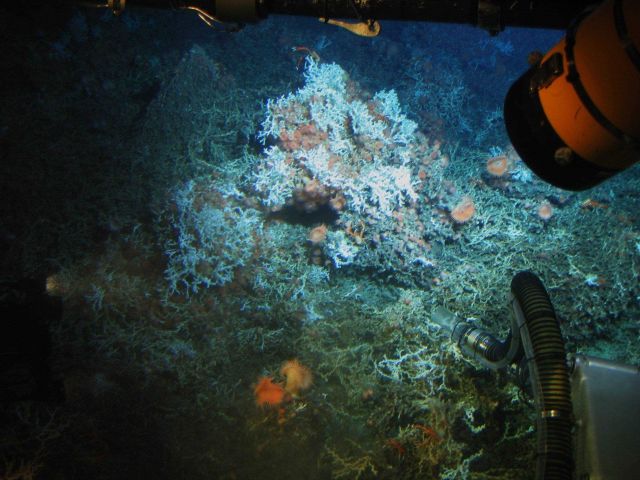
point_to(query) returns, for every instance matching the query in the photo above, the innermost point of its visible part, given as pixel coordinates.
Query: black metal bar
(521, 13)
(556, 14)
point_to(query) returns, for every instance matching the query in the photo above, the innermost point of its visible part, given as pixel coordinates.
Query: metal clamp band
(623, 34)
(552, 414)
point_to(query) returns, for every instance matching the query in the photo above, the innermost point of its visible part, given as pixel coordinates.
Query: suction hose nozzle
(535, 342)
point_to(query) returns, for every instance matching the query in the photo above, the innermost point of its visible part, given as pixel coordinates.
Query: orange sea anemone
(298, 377)
(463, 211)
(545, 211)
(498, 166)
(318, 234)
(338, 202)
(268, 393)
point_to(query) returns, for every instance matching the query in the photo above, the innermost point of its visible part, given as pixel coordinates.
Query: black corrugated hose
(547, 363)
